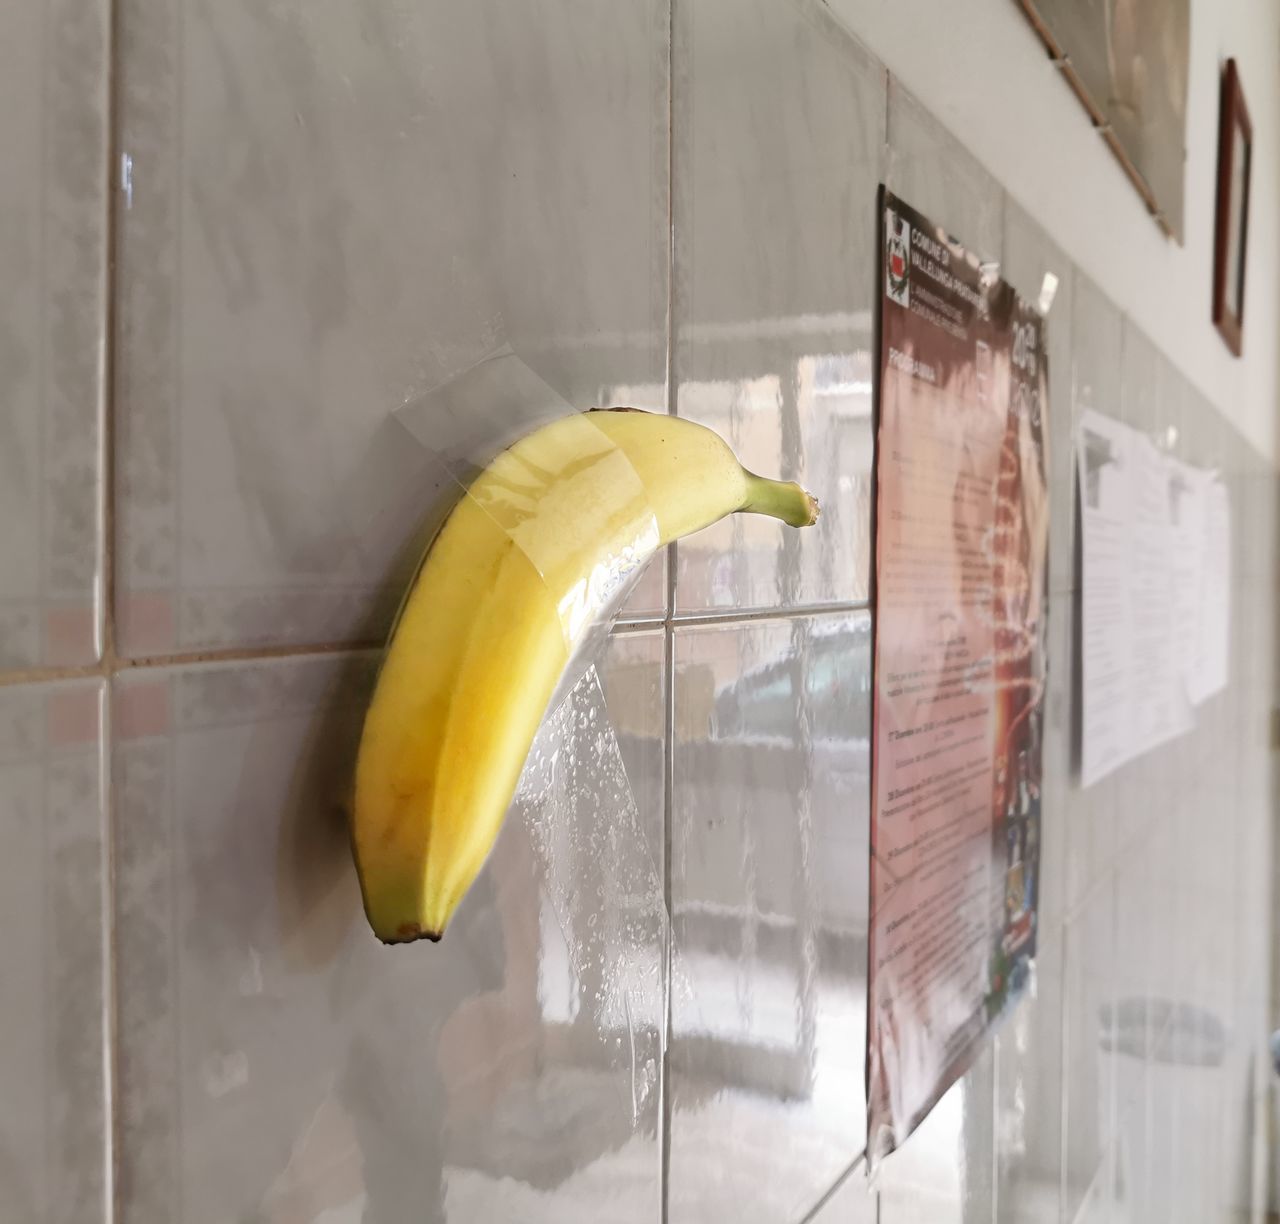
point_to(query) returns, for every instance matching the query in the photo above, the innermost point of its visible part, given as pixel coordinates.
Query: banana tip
(411, 932)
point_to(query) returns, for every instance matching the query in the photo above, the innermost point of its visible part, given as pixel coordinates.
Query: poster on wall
(961, 598)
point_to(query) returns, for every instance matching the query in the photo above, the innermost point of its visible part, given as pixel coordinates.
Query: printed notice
(1208, 672)
(1155, 549)
(961, 547)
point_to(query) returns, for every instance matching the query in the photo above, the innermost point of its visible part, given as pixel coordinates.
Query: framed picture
(1231, 236)
(1127, 61)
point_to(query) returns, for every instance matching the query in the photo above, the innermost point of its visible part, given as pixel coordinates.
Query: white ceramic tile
(1166, 908)
(1233, 1177)
(1197, 1170)
(854, 1202)
(1028, 1120)
(1255, 849)
(943, 1172)
(1090, 815)
(1134, 937)
(276, 1062)
(1207, 884)
(1029, 256)
(1133, 1034)
(333, 209)
(1097, 1204)
(1175, 407)
(1246, 1070)
(1141, 380)
(1129, 809)
(1096, 340)
(53, 133)
(1059, 781)
(779, 131)
(769, 894)
(1029, 1045)
(1207, 437)
(1088, 1071)
(1262, 521)
(934, 173)
(1164, 1160)
(53, 1115)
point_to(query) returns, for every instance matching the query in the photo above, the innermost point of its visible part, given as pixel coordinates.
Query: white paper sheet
(1155, 547)
(1188, 489)
(1102, 456)
(1212, 656)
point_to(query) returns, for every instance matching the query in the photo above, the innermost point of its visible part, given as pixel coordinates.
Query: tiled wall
(320, 211)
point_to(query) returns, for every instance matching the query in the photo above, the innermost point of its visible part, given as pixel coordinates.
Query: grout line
(238, 654)
(995, 1116)
(668, 901)
(105, 627)
(113, 1122)
(115, 665)
(1064, 1080)
(887, 147)
(43, 513)
(49, 675)
(112, 664)
(668, 655)
(798, 612)
(638, 624)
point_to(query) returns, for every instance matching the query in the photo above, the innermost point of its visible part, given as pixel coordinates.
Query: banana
(512, 582)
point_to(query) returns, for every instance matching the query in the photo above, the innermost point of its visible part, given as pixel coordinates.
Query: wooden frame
(1231, 228)
(1171, 227)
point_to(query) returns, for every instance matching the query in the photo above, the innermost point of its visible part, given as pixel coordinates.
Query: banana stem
(780, 499)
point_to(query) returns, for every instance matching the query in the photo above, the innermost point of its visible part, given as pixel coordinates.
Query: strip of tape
(549, 481)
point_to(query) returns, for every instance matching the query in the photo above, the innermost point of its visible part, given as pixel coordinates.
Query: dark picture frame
(1231, 227)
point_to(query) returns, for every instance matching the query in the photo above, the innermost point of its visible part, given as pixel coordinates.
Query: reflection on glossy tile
(1194, 1058)
(1090, 814)
(52, 909)
(1055, 810)
(350, 205)
(1134, 1039)
(53, 91)
(854, 1202)
(779, 129)
(1028, 1120)
(277, 1062)
(1140, 381)
(944, 1171)
(1096, 338)
(934, 173)
(634, 691)
(768, 885)
(1088, 1071)
(1029, 256)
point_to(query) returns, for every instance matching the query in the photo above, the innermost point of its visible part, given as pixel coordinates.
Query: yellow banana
(507, 590)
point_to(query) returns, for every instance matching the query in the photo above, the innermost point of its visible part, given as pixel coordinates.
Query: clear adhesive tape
(551, 481)
(570, 499)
